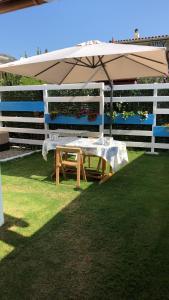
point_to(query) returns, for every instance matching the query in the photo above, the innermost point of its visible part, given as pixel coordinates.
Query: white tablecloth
(112, 151)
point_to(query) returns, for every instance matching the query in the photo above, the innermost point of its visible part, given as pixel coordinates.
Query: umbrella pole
(111, 105)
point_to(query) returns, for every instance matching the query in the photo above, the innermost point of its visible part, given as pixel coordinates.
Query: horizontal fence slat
(40, 142)
(74, 99)
(74, 132)
(130, 99)
(20, 88)
(137, 144)
(161, 98)
(23, 130)
(26, 141)
(76, 86)
(21, 119)
(129, 132)
(128, 87)
(137, 99)
(161, 146)
(85, 133)
(43, 87)
(162, 111)
(32, 106)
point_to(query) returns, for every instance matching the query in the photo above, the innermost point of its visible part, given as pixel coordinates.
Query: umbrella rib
(104, 68)
(93, 60)
(89, 61)
(82, 62)
(68, 73)
(144, 65)
(77, 64)
(97, 64)
(47, 69)
(153, 60)
(113, 59)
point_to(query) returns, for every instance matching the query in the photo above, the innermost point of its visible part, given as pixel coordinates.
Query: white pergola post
(1, 206)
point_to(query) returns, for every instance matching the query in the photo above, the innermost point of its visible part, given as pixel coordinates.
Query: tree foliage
(8, 79)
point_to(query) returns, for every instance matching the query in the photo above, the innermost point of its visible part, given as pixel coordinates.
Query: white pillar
(1, 206)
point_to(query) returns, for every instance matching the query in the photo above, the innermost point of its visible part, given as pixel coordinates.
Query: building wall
(4, 58)
(157, 41)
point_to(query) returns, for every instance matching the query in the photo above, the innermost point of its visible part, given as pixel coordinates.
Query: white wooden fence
(47, 99)
(152, 133)
(154, 99)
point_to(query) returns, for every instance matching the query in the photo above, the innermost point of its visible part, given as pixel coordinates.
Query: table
(108, 149)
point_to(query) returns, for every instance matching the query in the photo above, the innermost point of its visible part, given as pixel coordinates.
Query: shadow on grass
(41, 168)
(7, 235)
(111, 242)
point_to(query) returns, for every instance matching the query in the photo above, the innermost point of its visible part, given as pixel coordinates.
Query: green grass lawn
(107, 241)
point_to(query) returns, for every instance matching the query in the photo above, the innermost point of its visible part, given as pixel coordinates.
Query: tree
(25, 55)
(38, 51)
(10, 79)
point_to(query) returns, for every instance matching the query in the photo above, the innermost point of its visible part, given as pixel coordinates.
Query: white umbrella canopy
(93, 61)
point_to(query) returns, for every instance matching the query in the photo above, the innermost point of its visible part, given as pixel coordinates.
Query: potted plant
(53, 114)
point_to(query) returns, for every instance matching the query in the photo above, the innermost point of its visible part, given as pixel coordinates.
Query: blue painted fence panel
(61, 119)
(162, 131)
(133, 120)
(34, 106)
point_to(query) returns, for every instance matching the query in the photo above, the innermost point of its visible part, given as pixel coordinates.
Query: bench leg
(78, 169)
(99, 164)
(57, 166)
(103, 167)
(83, 169)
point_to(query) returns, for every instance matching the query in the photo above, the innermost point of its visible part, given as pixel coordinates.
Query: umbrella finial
(92, 42)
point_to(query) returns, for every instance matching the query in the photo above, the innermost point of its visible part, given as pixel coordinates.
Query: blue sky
(67, 22)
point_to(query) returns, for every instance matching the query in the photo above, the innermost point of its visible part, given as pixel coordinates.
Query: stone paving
(12, 153)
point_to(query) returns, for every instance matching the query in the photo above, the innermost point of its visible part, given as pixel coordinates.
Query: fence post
(155, 94)
(101, 109)
(45, 100)
(1, 206)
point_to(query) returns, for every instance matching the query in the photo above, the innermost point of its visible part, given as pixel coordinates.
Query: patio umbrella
(93, 61)
(11, 5)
